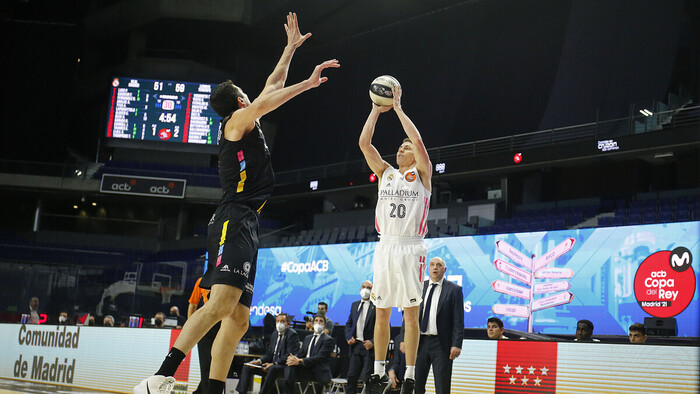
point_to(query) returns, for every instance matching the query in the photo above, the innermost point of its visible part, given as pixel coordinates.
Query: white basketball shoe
(157, 384)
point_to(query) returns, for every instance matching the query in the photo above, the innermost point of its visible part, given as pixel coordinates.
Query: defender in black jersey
(247, 180)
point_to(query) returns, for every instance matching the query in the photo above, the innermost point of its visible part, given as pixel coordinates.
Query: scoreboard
(157, 110)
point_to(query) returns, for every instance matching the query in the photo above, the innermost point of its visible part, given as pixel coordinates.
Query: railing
(562, 135)
(637, 124)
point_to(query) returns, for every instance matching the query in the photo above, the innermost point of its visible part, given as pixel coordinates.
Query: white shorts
(399, 266)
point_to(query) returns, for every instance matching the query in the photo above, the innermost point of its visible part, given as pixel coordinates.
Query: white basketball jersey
(402, 207)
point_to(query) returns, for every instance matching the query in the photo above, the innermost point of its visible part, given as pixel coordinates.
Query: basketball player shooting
(232, 235)
(401, 221)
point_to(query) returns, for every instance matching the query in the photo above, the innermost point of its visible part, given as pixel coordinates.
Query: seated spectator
(584, 331)
(91, 321)
(108, 321)
(397, 369)
(159, 320)
(494, 328)
(63, 319)
(312, 362)
(284, 341)
(175, 314)
(638, 333)
(33, 311)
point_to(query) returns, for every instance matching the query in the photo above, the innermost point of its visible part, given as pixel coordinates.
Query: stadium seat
(634, 219)
(605, 221)
(649, 217)
(666, 216)
(342, 235)
(361, 233)
(333, 237)
(352, 234)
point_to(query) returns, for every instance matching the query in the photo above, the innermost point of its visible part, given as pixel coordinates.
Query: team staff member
(359, 332)
(247, 180)
(638, 333)
(494, 328)
(442, 328)
(284, 341)
(312, 362)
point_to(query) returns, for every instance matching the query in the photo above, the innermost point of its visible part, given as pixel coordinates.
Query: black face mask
(91, 323)
(159, 322)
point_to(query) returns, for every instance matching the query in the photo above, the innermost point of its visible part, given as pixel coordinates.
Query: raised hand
(381, 108)
(316, 79)
(396, 91)
(294, 37)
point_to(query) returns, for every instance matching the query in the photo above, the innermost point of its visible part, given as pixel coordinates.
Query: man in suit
(312, 362)
(359, 332)
(284, 341)
(442, 328)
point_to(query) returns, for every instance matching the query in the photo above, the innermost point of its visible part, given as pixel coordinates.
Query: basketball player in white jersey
(401, 221)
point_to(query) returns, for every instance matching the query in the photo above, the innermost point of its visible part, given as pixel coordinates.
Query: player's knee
(241, 314)
(221, 309)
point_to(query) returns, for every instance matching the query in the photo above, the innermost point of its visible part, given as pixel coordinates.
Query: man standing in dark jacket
(441, 318)
(359, 332)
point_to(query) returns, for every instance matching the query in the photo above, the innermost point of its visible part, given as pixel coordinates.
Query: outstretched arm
(243, 119)
(278, 76)
(372, 156)
(423, 165)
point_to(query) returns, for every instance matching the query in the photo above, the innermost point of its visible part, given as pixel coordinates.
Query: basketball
(380, 90)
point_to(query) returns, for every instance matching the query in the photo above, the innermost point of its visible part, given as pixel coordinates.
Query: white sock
(379, 368)
(410, 372)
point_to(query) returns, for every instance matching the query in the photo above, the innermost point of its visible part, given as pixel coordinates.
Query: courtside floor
(14, 386)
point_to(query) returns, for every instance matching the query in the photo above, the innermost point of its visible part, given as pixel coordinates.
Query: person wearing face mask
(284, 341)
(175, 313)
(312, 362)
(159, 320)
(441, 329)
(359, 332)
(63, 318)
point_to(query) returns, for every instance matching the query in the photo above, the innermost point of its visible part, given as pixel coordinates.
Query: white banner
(99, 358)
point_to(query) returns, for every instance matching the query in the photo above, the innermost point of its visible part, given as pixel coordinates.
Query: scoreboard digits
(172, 111)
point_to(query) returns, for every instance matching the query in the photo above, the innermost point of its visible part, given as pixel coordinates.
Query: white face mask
(281, 327)
(62, 319)
(364, 293)
(318, 328)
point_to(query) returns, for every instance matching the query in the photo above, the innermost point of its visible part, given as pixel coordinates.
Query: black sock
(216, 386)
(171, 362)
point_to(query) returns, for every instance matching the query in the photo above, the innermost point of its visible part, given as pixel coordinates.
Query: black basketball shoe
(407, 386)
(377, 385)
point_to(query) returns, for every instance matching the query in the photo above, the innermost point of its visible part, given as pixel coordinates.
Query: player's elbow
(364, 143)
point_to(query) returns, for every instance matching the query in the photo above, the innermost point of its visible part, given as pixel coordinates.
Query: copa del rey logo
(526, 367)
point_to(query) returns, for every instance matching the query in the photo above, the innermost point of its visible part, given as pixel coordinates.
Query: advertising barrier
(514, 366)
(116, 359)
(613, 276)
(107, 359)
